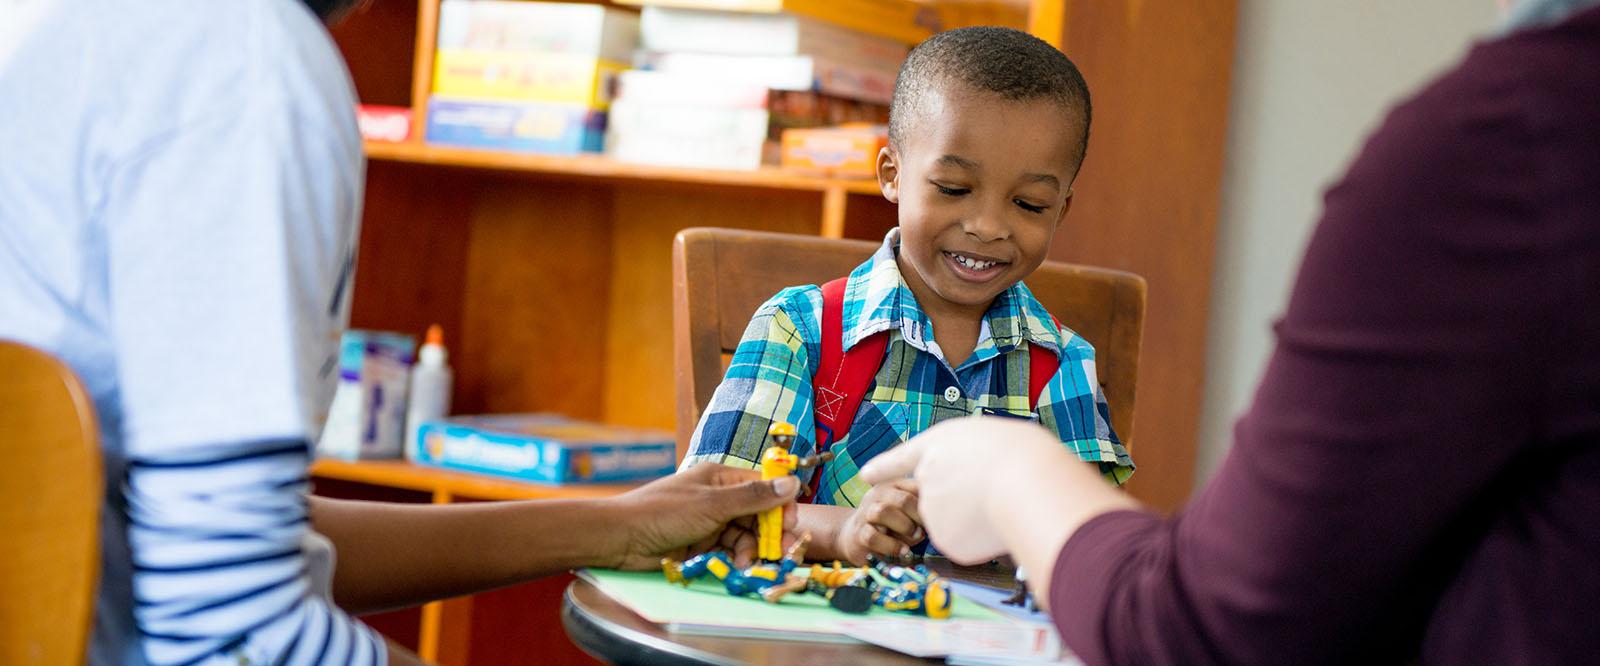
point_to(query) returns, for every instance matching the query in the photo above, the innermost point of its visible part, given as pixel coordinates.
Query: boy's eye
(1028, 206)
(951, 191)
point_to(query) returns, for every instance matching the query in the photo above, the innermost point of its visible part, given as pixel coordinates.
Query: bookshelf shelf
(598, 167)
(446, 485)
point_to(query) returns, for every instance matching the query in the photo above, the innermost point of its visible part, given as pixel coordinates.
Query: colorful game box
(519, 26)
(546, 448)
(526, 77)
(850, 150)
(555, 129)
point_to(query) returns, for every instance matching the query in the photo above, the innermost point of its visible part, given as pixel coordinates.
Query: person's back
(1419, 474)
(1527, 588)
(179, 183)
(987, 130)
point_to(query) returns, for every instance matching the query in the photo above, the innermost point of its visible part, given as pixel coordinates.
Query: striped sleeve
(219, 570)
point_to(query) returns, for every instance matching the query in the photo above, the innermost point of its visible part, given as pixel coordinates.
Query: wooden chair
(720, 277)
(50, 491)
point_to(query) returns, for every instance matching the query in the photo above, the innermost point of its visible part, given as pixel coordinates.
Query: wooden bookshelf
(551, 276)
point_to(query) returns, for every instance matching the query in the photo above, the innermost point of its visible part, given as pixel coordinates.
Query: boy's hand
(704, 506)
(886, 524)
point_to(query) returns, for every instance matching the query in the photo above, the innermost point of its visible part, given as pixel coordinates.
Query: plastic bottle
(430, 388)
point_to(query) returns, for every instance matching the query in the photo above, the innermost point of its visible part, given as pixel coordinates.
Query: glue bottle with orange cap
(430, 387)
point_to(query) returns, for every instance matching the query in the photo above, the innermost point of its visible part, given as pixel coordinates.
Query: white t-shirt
(180, 184)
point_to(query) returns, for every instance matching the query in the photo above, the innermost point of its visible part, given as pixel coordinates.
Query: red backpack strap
(1042, 365)
(842, 377)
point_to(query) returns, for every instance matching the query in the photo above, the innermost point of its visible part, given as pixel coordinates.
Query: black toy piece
(852, 599)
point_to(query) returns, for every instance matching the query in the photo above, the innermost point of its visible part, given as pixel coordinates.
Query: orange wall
(1148, 197)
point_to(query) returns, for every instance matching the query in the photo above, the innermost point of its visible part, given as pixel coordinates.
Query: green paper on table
(706, 608)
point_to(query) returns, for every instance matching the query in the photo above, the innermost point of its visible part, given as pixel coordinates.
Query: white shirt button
(952, 394)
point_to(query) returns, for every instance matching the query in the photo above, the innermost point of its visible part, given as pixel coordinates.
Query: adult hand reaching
(991, 486)
(957, 470)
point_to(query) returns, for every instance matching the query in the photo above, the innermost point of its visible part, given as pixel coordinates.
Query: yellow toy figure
(777, 462)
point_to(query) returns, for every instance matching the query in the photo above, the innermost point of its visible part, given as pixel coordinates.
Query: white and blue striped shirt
(180, 186)
(219, 566)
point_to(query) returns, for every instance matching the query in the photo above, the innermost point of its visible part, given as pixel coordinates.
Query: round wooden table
(612, 633)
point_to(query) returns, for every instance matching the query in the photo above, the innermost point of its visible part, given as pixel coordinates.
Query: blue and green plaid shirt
(769, 379)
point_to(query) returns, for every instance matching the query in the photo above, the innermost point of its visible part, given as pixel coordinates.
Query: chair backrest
(720, 277)
(50, 491)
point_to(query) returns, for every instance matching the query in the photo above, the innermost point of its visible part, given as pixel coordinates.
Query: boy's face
(982, 182)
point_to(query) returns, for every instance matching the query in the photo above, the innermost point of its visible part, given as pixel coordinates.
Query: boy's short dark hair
(1010, 63)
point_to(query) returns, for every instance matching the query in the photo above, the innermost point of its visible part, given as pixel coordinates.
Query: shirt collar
(877, 299)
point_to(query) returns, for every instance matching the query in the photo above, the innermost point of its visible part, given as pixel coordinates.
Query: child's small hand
(886, 523)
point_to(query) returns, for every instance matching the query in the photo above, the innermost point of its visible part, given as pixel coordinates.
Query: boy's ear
(888, 175)
(1065, 207)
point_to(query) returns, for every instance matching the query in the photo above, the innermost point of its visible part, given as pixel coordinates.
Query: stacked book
(904, 21)
(716, 88)
(531, 76)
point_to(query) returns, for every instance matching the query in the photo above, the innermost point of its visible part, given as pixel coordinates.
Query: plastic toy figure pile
(912, 589)
(893, 587)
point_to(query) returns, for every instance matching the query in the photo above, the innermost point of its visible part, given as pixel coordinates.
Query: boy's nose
(987, 226)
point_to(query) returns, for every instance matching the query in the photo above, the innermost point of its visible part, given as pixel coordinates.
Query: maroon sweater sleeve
(1405, 379)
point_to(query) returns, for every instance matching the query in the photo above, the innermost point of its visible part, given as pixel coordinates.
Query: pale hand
(992, 486)
(960, 468)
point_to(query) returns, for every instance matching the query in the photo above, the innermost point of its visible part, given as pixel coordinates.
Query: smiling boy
(987, 129)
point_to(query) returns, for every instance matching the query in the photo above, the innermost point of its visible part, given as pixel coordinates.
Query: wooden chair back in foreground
(50, 492)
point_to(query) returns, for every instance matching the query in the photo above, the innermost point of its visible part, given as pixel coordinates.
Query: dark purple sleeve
(1405, 377)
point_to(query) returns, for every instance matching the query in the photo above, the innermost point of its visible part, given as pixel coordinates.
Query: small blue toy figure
(770, 580)
(914, 589)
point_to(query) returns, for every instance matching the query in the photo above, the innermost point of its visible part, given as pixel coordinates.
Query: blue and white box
(552, 129)
(546, 448)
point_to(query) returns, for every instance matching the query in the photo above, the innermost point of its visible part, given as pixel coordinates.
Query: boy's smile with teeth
(973, 263)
